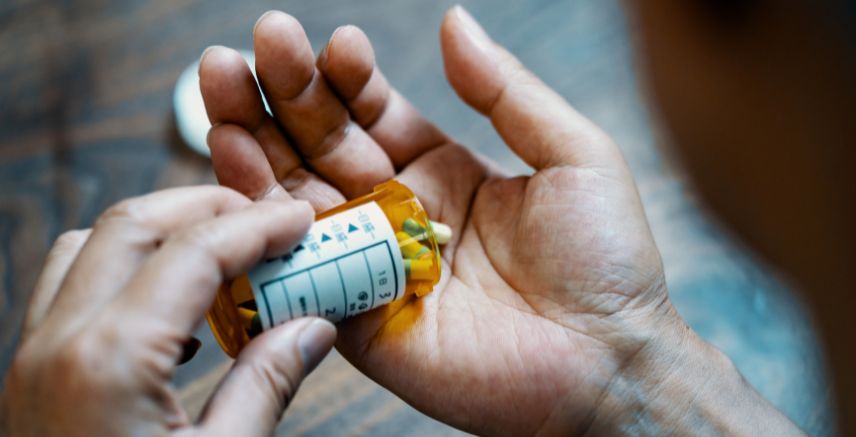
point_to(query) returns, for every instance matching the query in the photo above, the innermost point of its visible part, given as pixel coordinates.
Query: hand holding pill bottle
(356, 257)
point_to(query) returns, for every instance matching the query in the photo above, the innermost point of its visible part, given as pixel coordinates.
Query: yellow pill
(418, 269)
(246, 315)
(250, 321)
(410, 247)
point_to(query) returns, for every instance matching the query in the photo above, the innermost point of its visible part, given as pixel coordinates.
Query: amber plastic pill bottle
(356, 257)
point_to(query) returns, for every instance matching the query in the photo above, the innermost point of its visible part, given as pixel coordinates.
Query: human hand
(114, 304)
(553, 291)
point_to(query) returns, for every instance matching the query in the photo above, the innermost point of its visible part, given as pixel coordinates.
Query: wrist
(678, 383)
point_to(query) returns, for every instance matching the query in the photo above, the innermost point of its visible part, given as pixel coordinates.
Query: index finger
(177, 284)
(121, 240)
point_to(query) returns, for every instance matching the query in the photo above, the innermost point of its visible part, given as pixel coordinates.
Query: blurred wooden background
(86, 120)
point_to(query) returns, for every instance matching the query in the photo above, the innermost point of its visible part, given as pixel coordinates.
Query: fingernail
(262, 18)
(205, 52)
(472, 27)
(189, 349)
(322, 57)
(202, 58)
(307, 207)
(314, 342)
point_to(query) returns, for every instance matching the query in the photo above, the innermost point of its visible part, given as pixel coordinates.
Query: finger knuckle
(82, 356)
(81, 365)
(76, 354)
(273, 207)
(128, 210)
(196, 238)
(228, 194)
(157, 357)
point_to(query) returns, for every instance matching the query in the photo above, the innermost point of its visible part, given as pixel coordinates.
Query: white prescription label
(347, 264)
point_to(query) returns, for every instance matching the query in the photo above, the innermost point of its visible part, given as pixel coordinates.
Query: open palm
(550, 282)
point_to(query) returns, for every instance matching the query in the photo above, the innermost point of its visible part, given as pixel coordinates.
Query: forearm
(679, 384)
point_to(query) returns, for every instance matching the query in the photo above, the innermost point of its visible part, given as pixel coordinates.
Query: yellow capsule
(418, 269)
(250, 321)
(410, 247)
(246, 315)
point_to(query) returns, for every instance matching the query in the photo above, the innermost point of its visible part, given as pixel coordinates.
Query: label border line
(395, 271)
(371, 278)
(287, 300)
(344, 291)
(267, 306)
(315, 292)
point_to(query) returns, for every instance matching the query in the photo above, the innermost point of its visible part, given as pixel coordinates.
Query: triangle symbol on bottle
(352, 228)
(325, 237)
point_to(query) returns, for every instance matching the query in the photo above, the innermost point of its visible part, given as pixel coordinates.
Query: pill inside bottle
(358, 256)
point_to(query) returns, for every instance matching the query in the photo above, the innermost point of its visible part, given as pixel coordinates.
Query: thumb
(531, 118)
(254, 394)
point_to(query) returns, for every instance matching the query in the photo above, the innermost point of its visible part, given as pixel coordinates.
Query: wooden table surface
(86, 120)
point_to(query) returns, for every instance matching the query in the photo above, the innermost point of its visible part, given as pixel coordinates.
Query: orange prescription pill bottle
(356, 257)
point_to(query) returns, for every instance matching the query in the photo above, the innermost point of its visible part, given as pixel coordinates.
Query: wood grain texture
(86, 120)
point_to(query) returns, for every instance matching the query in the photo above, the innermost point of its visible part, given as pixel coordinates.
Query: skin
(553, 314)
(110, 313)
(760, 102)
(512, 341)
